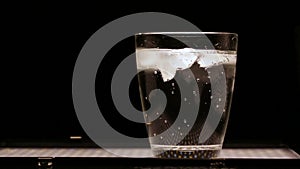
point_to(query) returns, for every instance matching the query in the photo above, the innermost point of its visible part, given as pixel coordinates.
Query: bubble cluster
(199, 154)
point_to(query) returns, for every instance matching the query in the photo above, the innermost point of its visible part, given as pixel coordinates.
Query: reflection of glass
(196, 72)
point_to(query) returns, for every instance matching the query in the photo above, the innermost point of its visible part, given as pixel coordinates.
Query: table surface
(97, 158)
(226, 153)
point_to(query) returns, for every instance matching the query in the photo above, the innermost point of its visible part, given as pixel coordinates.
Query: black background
(41, 42)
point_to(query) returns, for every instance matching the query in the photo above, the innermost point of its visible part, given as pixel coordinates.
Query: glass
(186, 82)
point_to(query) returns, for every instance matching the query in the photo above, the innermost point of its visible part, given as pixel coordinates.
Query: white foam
(168, 61)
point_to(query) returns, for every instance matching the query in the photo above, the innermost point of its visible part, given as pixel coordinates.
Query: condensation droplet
(173, 84)
(146, 115)
(222, 72)
(198, 79)
(184, 120)
(185, 99)
(173, 134)
(220, 99)
(178, 128)
(181, 134)
(161, 137)
(155, 72)
(194, 92)
(209, 90)
(205, 102)
(154, 134)
(166, 121)
(188, 125)
(206, 82)
(208, 72)
(208, 77)
(224, 110)
(211, 97)
(146, 97)
(172, 92)
(157, 113)
(217, 106)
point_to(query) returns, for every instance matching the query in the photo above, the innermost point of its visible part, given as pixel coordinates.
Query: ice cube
(212, 57)
(168, 61)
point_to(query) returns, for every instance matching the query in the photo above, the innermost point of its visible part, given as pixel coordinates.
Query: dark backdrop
(42, 41)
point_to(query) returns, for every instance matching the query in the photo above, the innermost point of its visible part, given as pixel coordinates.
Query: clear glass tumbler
(186, 82)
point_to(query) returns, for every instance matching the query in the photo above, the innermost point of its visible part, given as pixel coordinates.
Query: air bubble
(161, 137)
(157, 113)
(208, 77)
(184, 120)
(217, 106)
(154, 134)
(188, 125)
(155, 72)
(173, 84)
(209, 90)
(205, 102)
(222, 72)
(185, 99)
(172, 92)
(178, 128)
(220, 99)
(198, 79)
(173, 134)
(146, 98)
(211, 97)
(166, 121)
(181, 134)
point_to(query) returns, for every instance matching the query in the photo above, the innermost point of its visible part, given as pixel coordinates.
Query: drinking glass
(186, 81)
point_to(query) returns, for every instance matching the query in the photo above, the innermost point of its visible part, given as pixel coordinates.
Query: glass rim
(187, 33)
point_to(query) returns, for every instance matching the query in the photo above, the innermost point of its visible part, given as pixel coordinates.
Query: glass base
(184, 151)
